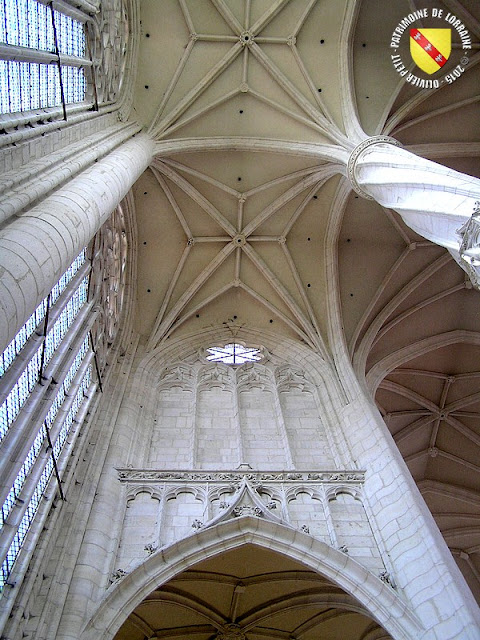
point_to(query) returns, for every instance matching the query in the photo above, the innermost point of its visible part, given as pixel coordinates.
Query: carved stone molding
(304, 501)
(107, 281)
(247, 510)
(178, 375)
(469, 234)
(108, 42)
(356, 154)
(216, 375)
(195, 373)
(289, 378)
(254, 376)
(254, 477)
(150, 548)
(387, 578)
(117, 575)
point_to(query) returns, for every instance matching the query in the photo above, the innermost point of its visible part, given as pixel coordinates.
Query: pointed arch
(377, 599)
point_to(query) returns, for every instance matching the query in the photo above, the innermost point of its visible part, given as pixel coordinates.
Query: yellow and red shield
(430, 48)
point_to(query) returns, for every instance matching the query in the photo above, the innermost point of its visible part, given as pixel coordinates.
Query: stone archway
(248, 593)
(350, 586)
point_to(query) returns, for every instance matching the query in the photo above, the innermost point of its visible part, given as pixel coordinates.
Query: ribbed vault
(243, 595)
(255, 106)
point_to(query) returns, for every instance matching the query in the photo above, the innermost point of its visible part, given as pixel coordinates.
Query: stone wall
(210, 416)
(163, 507)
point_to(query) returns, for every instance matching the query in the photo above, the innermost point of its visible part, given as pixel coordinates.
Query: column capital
(352, 160)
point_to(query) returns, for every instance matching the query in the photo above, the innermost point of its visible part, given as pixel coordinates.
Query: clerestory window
(42, 56)
(61, 317)
(48, 377)
(39, 378)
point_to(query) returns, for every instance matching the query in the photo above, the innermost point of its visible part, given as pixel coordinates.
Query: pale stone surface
(433, 200)
(57, 229)
(377, 523)
(304, 436)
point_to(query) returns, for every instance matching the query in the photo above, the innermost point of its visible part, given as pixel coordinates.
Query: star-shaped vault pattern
(246, 217)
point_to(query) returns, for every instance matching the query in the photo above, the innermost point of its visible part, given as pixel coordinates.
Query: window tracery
(17, 344)
(108, 279)
(63, 311)
(43, 57)
(33, 504)
(21, 372)
(82, 311)
(55, 61)
(233, 353)
(109, 37)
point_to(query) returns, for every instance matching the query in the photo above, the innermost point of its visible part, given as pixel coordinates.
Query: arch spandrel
(365, 593)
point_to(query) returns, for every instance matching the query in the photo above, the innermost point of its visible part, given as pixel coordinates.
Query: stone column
(436, 202)
(38, 246)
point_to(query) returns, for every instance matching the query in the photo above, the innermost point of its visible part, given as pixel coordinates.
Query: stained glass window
(61, 350)
(17, 344)
(26, 83)
(41, 435)
(39, 490)
(25, 384)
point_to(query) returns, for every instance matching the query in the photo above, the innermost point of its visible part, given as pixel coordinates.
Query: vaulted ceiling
(246, 217)
(243, 595)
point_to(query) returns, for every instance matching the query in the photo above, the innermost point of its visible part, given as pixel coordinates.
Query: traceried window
(33, 357)
(43, 57)
(234, 353)
(42, 433)
(107, 281)
(61, 318)
(48, 377)
(42, 483)
(17, 344)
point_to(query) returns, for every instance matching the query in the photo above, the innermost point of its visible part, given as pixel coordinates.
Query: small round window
(233, 354)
